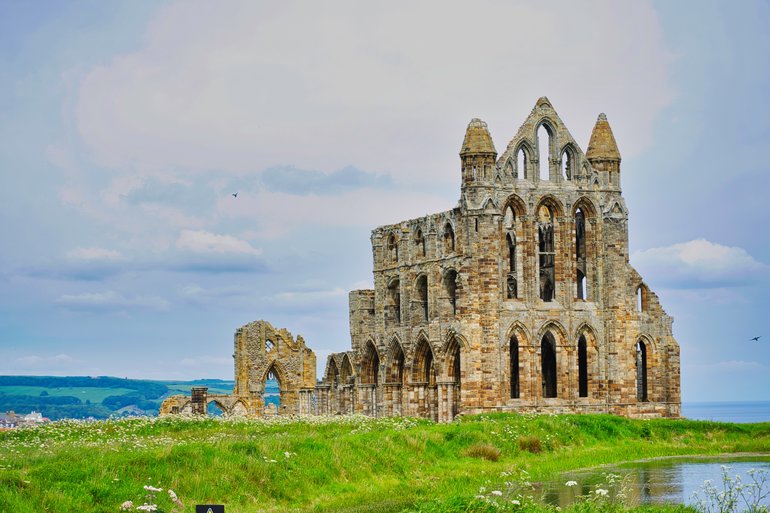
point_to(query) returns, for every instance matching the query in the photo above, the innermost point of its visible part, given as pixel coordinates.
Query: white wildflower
(172, 495)
(570, 483)
(147, 507)
(601, 492)
(127, 505)
(152, 488)
(516, 502)
(496, 492)
(287, 455)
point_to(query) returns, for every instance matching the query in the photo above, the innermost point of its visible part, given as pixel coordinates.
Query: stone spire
(602, 145)
(477, 139)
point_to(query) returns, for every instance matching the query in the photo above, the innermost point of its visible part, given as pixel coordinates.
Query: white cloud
(110, 301)
(698, 264)
(93, 253)
(199, 241)
(383, 86)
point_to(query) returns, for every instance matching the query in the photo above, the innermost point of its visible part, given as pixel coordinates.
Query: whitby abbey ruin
(521, 298)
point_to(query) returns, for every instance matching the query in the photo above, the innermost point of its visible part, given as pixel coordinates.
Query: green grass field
(320, 464)
(93, 394)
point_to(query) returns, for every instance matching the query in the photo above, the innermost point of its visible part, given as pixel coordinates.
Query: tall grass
(349, 463)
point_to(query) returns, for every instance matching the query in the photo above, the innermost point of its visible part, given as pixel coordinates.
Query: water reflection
(663, 481)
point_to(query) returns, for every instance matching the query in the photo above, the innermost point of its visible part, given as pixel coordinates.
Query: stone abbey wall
(521, 298)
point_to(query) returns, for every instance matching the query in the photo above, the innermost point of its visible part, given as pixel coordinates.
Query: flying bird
(234, 195)
(756, 339)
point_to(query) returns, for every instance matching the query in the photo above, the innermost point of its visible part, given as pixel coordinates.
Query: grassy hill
(321, 464)
(99, 397)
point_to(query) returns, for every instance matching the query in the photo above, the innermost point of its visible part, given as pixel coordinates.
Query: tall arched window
(510, 229)
(449, 239)
(422, 297)
(580, 253)
(567, 164)
(641, 298)
(544, 142)
(582, 367)
(370, 372)
(392, 248)
(450, 281)
(394, 289)
(521, 164)
(641, 371)
(548, 365)
(514, 353)
(546, 253)
(419, 240)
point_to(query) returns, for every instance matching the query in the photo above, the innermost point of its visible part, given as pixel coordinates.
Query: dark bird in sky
(235, 195)
(756, 338)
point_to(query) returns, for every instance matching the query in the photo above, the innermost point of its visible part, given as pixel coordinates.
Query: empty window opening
(272, 393)
(269, 345)
(641, 298)
(450, 280)
(420, 242)
(422, 297)
(509, 169)
(582, 367)
(546, 252)
(521, 164)
(449, 239)
(641, 371)
(580, 253)
(214, 409)
(394, 290)
(392, 249)
(512, 287)
(548, 365)
(544, 151)
(477, 225)
(514, 353)
(566, 164)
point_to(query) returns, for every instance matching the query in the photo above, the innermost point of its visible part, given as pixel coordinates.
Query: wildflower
(496, 492)
(570, 483)
(172, 495)
(516, 502)
(127, 505)
(287, 455)
(602, 492)
(152, 488)
(147, 507)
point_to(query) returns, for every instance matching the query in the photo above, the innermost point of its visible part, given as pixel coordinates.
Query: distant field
(98, 397)
(93, 394)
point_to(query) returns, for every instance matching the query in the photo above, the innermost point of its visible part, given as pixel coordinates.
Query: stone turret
(478, 154)
(603, 152)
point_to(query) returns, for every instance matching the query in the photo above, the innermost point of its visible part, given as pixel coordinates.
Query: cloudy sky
(126, 126)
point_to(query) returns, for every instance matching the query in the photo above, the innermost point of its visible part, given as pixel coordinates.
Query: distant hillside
(98, 397)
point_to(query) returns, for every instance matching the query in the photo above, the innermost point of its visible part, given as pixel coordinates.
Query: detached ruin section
(521, 298)
(261, 353)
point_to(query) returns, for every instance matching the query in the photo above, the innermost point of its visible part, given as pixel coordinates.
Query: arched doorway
(272, 392)
(395, 379)
(424, 381)
(370, 380)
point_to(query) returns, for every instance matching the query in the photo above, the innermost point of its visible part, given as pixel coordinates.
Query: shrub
(530, 444)
(483, 451)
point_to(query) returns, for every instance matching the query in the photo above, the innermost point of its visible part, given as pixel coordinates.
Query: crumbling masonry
(521, 298)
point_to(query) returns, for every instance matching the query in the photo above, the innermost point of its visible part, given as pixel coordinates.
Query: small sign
(210, 508)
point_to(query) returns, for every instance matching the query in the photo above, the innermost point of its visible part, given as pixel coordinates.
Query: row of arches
(544, 159)
(420, 309)
(538, 367)
(448, 244)
(548, 234)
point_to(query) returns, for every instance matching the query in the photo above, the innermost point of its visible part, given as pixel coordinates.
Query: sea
(732, 411)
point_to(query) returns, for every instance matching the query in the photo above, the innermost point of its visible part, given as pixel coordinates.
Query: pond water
(672, 480)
